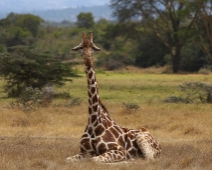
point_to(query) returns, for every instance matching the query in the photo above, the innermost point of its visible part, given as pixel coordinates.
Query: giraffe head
(87, 47)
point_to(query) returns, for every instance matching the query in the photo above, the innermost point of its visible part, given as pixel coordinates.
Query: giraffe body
(103, 139)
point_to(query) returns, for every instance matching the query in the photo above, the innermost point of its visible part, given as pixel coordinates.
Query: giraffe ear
(90, 37)
(95, 48)
(77, 48)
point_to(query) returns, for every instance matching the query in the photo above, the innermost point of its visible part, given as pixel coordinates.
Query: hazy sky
(74, 2)
(28, 5)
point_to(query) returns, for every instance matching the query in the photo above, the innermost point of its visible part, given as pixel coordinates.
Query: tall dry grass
(44, 138)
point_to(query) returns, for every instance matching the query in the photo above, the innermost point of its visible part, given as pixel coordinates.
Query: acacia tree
(170, 20)
(85, 20)
(203, 26)
(27, 67)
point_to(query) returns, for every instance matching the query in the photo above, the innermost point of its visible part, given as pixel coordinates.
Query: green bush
(32, 98)
(193, 92)
(205, 70)
(130, 106)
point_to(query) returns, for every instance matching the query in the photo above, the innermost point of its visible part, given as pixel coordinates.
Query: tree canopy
(170, 20)
(28, 67)
(85, 20)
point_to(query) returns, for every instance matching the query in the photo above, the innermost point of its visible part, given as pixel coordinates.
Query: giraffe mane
(103, 106)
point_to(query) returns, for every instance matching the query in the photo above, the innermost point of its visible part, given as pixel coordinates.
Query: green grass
(117, 87)
(140, 88)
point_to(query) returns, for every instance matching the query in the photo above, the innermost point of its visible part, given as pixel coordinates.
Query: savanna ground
(42, 139)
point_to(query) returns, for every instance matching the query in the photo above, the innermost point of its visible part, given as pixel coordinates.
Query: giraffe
(104, 140)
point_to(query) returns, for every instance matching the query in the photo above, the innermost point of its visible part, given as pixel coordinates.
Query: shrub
(174, 99)
(193, 92)
(205, 70)
(32, 98)
(71, 101)
(130, 106)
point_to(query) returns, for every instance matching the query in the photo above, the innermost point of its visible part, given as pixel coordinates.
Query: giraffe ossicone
(103, 139)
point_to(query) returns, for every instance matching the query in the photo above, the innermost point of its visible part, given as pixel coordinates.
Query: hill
(70, 14)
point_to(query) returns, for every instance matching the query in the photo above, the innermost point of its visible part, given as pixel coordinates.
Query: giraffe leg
(77, 158)
(111, 156)
(147, 144)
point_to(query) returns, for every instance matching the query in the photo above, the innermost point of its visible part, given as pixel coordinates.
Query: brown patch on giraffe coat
(93, 81)
(89, 95)
(95, 99)
(102, 148)
(90, 110)
(87, 146)
(118, 129)
(114, 132)
(84, 135)
(112, 146)
(121, 141)
(108, 137)
(95, 108)
(90, 130)
(93, 118)
(90, 75)
(134, 143)
(99, 130)
(85, 142)
(130, 136)
(93, 89)
(109, 123)
(97, 140)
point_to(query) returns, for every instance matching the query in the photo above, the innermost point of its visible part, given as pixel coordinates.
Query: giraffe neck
(95, 108)
(93, 94)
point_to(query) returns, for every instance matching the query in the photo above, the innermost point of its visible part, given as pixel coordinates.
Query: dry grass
(44, 138)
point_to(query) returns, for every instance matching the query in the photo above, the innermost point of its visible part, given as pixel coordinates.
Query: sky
(29, 5)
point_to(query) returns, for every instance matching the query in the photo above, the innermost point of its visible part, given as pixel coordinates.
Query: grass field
(43, 139)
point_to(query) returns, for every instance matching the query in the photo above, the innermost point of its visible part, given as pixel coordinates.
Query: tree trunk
(176, 64)
(176, 59)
